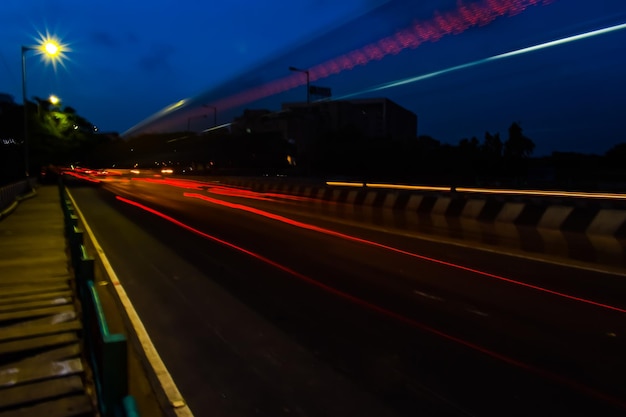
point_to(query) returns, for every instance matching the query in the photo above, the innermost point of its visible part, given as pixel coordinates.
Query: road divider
(594, 214)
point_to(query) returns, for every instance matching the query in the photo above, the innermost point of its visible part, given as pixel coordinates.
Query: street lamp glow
(54, 100)
(51, 48)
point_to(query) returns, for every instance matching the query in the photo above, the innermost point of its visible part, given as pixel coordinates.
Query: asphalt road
(260, 306)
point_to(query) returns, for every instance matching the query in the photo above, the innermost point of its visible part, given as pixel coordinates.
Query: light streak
(501, 191)
(81, 176)
(543, 193)
(345, 184)
(516, 52)
(222, 126)
(186, 184)
(329, 232)
(407, 187)
(454, 22)
(243, 193)
(390, 313)
(224, 190)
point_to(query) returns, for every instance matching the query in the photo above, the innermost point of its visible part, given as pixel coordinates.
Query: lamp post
(214, 113)
(307, 81)
(51, 49)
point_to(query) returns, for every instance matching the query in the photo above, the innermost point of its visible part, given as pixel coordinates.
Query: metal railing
(10, 192)
(107, 352)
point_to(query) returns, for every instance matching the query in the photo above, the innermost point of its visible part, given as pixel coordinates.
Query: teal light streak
(516, 52)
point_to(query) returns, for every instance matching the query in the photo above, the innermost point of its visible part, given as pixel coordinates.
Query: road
(260, 305)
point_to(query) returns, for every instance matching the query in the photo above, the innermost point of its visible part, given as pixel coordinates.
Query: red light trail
(389, 313)
(400, 251)
(454, 22)
(222, 189)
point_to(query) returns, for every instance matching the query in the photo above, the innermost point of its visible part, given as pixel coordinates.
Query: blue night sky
(128, 60)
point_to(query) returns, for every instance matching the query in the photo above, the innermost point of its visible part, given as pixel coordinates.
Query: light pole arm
(308, 88)
(308, 99)
(26, 162)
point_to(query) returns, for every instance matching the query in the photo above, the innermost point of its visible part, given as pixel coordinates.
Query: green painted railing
(107, 352)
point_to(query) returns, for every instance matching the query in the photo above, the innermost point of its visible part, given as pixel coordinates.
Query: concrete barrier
(571, 212)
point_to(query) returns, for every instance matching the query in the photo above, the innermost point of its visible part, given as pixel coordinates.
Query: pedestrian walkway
(43, 371)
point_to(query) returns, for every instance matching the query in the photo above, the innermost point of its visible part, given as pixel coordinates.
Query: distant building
(302, 123)
(375, 117)
(255, 120)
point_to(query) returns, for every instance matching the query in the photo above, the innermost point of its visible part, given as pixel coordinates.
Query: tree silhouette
(469, 145)
(517, 145)
(492, 146)
(617, 154)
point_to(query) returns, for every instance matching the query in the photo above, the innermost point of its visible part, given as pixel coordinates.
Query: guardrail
(9, 193)
(107, 352)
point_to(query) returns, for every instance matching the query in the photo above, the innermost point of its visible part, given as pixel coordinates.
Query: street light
(51, 49)
(52, 101)
(307, 81)
(214, 113)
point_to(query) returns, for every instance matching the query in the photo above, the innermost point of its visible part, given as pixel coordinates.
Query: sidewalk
(43, 371)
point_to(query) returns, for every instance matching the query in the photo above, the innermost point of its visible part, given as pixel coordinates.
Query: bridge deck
(42, 368)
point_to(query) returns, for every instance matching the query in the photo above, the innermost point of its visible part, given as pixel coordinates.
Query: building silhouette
(302, 124)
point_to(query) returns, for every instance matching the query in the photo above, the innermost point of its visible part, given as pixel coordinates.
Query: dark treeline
(492, 161)
(350, 154)
(56, 136)
(62, 137)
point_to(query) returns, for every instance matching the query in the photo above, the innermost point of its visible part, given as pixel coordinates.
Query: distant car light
(167, 171)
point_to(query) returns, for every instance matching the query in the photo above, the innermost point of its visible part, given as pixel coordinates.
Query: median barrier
(593, 214)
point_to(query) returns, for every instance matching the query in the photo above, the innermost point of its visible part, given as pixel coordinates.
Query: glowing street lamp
(51, 49)
(54, 100)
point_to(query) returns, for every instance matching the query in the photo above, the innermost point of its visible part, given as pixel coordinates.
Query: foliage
(55, 136)
(517, 145)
